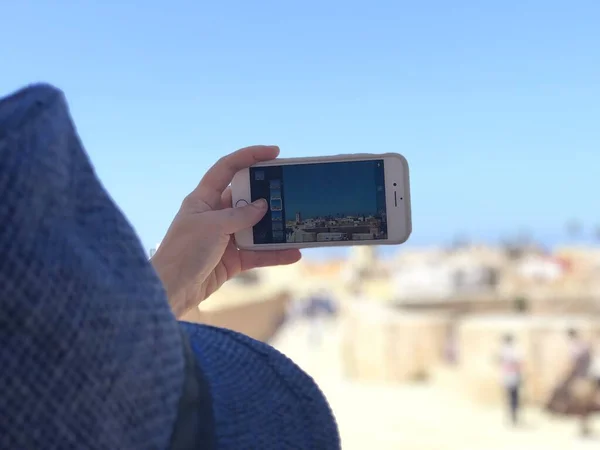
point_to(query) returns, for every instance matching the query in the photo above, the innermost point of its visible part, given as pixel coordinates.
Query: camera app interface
(338, 201)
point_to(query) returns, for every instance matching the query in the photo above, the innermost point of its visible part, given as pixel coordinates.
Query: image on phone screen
(323, 202)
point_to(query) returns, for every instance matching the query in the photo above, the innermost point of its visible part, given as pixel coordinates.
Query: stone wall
(542, 341)
(382, 344)
(584, 305)
(259, 318)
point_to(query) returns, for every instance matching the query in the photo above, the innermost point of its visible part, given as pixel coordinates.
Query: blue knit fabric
(91, 356)
(261, 399)
(90, 353)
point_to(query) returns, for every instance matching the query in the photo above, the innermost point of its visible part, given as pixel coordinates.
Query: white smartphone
(361, 199)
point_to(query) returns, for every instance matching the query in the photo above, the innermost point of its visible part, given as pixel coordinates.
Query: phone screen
(323, 202)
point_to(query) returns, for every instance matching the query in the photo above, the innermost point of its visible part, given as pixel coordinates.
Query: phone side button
(241, 202)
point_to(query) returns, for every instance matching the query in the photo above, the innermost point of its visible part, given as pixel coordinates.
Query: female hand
(198, 253)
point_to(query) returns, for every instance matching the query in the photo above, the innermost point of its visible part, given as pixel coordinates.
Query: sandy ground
(418, 417)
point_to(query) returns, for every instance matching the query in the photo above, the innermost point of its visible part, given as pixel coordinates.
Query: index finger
(219, 176)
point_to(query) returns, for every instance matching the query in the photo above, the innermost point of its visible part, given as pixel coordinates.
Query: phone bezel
(398, 207)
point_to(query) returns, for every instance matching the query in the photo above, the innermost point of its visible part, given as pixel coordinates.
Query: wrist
(168, 276)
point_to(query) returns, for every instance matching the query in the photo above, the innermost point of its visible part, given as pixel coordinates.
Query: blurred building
(363, 261)
(438, 274)
(540, 269)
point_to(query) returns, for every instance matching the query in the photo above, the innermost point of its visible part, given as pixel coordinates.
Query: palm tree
(460, 241)
(525, 238)
(596, 232)
(573, 228)
(514, 245)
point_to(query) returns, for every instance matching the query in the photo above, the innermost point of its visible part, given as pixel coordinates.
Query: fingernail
(261, 203)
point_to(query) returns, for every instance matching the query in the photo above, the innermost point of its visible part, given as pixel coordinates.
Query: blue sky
(495, 104)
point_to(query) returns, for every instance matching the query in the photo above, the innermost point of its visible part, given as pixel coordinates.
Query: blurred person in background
(577, 393)
(357, 292)
(595, 365)
(318, 306)
(511, 366)
(451, 346)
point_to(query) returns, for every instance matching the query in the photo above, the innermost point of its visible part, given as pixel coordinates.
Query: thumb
(233, 220)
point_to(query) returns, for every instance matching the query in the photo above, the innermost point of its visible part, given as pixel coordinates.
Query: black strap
(195, 424)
